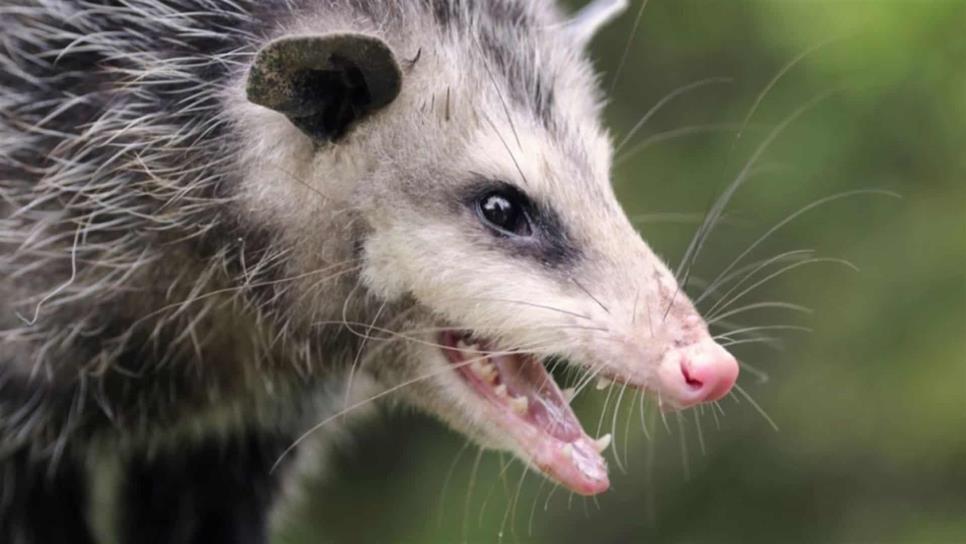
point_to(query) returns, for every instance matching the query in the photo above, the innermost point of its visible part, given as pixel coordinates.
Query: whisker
(760, 305)
(506, 146)
(683, 442)
(627, 47)
(766, 328)
(774, 81)
(761, 376)
(584, 289)
(750, 270)
(546, 503)
(358, 356)
(533, 508)
(441, 506)
(721, 305)
(663, 414)
(613, 430)
(697, 425)
(506, 108)
(408, 335)
(796, 214)
(470, 488)
(524, 303)
(771, 340)
(664, 101)
(706, 228)
(757, 408)
(511, 511)
(501, 476)
(642, 408)
(673, 134)
(637, 397)
(672, 217)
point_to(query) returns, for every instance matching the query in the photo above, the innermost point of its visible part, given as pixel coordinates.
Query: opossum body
(214, 214)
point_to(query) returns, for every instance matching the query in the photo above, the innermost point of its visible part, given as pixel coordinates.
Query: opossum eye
(506, 211)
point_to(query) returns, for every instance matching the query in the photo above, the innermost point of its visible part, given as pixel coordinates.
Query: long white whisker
(764, 328)
(722, 305)
(441, 506)
(757, 408)
(760, 305)
(795, 215)
(673, 134)
(613, 429)
(470, 488)
(774, 81)
(748, 271)
(683, 441)
(627, 47)
(664, 101)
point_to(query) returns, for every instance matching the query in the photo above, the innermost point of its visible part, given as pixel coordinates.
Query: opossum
(214, 210)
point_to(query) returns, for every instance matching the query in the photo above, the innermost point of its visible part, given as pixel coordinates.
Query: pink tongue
(555, 441)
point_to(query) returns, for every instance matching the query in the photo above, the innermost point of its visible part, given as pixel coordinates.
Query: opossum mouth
(529, 407)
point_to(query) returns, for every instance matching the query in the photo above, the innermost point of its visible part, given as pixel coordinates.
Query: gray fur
(179, 262)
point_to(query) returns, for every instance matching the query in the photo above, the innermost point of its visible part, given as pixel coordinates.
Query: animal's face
(496, 220)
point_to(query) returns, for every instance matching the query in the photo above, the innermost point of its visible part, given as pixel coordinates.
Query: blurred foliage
(870, 406)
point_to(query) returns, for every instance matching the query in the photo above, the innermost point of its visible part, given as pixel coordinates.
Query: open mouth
(532, 410)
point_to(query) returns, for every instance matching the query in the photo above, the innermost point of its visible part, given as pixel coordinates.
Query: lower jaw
(524, 403)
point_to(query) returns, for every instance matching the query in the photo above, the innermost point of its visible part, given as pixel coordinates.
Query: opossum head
(475, 174)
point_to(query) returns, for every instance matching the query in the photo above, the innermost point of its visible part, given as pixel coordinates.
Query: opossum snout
(701, 372)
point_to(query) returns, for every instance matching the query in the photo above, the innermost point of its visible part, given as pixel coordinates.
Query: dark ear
(325, 84)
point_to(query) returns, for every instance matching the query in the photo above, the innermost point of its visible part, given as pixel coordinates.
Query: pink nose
(701, 372)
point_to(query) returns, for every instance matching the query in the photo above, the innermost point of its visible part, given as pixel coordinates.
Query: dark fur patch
(550, 244)
(42, 503)
(213, 493)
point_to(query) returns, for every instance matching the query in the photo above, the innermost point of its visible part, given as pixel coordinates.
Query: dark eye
(506, 211)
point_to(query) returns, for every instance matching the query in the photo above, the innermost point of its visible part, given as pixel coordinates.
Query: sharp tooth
(489, 372)
(519, 405)
(501, 390)
(603, 383)
(485, 370)
(602, 442)
(568, 450)
(569, 394)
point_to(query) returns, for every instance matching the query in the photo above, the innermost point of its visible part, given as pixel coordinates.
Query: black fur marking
(549, 244)
(42, 503)
(214, 493)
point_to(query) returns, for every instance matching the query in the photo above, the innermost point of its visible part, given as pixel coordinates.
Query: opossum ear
(327, 83)
(585, 24)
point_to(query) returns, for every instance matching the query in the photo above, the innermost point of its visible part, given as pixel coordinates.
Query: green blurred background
(870, 406)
